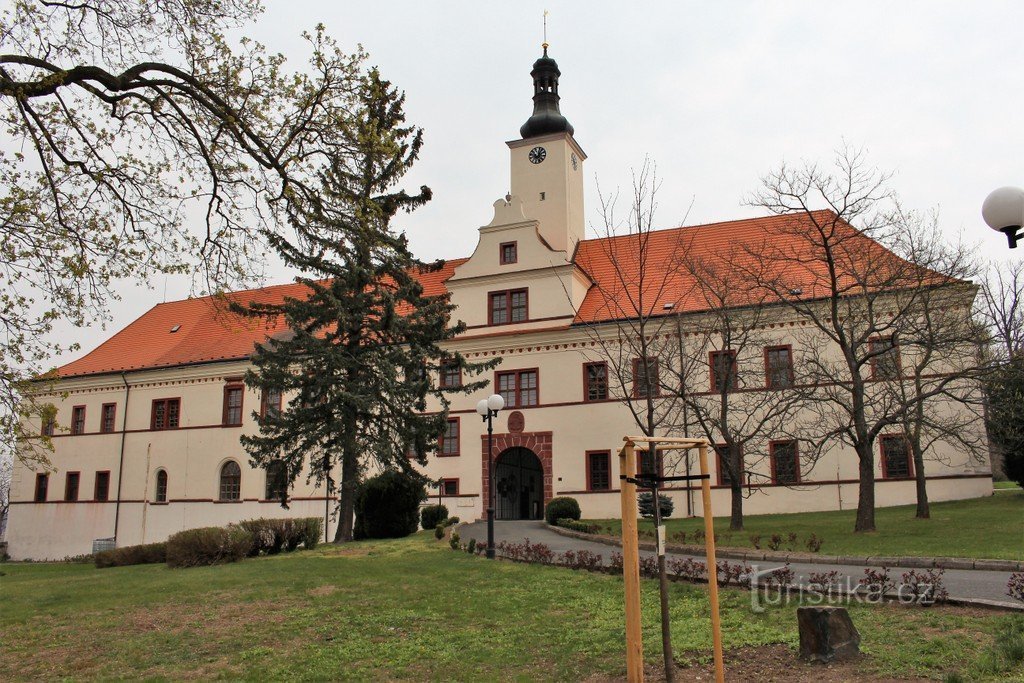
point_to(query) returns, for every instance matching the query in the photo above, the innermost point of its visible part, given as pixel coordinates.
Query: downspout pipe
(120, 464)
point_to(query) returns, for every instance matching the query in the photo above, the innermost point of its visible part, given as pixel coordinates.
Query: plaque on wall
(516, 422)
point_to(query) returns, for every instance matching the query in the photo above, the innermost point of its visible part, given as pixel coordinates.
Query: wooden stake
(709, 545)
(631, 567)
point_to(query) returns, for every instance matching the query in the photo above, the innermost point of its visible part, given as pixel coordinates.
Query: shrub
(310, 532)
(451, 521)
(388, 505)
(876, 583)
(208, 545)
(790, 541)
(783, 576)
(679, 537)
(924, 587)
(814, 543)
(150, 553)
(267, 537)
(687, 568)
(439, 531)
(755, 540)
(453, 542)
(526, 552)
(432, 515)
(581, 559)
(645, 503)
(823, 582)
(561, 508)
(775, 543)
(472, 546)
(582, 527)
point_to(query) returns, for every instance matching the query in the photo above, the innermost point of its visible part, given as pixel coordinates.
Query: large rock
(826, 634)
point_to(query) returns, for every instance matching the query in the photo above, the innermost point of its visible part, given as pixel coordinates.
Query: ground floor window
(785, 464)
(598, 470)
(101, 491)
(71, 486)
(896, 458)
(42, 484)
(161, 486)
(277, 481)
(450, 487)
(230, 481)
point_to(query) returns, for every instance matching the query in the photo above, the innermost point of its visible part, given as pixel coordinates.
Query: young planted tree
(735, 380)
(141, 141)
(354, 350)
(854, 294)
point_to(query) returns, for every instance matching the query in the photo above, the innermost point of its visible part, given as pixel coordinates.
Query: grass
(991, 527)
(1005, 485)
(410, 609)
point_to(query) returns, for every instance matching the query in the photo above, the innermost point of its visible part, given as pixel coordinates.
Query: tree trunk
(866, 492)
(346, 503)
(736, 517)
(923, 510)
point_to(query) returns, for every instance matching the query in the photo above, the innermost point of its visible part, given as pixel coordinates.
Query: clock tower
(547, 164)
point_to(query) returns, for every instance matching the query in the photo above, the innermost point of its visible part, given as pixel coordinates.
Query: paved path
(961, 583)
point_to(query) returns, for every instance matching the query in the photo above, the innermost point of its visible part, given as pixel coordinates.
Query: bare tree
(6, 471)
(140, 141)
(735, 387)
(853, 292)
(1002, 307)
(939, 351)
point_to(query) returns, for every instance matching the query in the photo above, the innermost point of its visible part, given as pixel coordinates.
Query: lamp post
(488, 409)
(1003, 210)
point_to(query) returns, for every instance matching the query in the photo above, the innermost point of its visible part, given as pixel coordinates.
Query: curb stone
(769, 556)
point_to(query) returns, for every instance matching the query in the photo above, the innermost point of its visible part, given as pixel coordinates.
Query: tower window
(42, 483)
(543, 196)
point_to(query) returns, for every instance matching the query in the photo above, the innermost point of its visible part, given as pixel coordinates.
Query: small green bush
(271, 536)
(388, 505)
(567, 523)
(560, 508)
(451, 521)
(471, 548)
(208, 545)
(645, 502)
(312, 529)
(150, 553)
(431, 515)
(439, 531)
(453, 542)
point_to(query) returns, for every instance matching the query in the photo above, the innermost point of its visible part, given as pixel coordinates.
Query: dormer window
(508, 253)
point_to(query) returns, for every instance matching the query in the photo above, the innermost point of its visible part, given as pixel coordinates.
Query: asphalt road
(961, 583)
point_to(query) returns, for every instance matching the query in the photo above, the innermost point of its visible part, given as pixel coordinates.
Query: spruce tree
(354, 355)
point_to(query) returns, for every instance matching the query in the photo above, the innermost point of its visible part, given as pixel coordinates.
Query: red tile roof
(208, 332)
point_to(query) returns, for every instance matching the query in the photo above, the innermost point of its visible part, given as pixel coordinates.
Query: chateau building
(146, 435)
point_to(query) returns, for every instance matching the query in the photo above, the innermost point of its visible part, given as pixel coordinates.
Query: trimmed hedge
(561, 508)
(388, 505)
(432, 515)
(150, 553)
(208, 545)
(271, 536)
(574, 525)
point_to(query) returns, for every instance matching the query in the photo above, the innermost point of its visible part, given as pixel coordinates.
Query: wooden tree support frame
(631, 547)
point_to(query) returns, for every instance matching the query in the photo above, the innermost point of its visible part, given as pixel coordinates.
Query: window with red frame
(896, 462)
(107, 417)
(508, 253)
(161, 486)
(42, 484)
(450, 438)
(507, 307)
(230, 481)
(723, 371)
(71, 486)
(449, 487)
(599, 470)
(78, 420)
(778, 362)
(885, 358)
(645, 377)
(596, 377)
(451, 375)
(270, 402)
(724, 474)
(49, 425)
(785, 463)
(519, 388)
(233, 405)
(101, 489)
(166, 413)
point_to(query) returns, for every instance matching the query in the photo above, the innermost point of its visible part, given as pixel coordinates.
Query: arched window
(230, 481)
(161, 486)
(277, 480)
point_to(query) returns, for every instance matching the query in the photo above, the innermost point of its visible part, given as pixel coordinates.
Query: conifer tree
(354, 357)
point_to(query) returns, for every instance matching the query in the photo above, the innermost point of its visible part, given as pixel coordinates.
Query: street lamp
(1003, 210)
(488, 409)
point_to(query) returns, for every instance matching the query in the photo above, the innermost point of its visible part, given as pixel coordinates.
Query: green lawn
(409, 609)
(1003, 485)
(991, 527)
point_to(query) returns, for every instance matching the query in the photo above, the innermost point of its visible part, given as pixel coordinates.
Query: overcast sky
(717, 94)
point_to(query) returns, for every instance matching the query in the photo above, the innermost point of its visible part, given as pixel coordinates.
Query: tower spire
(546, 118)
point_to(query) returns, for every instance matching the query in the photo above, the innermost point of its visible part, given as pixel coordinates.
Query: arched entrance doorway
(518, 485)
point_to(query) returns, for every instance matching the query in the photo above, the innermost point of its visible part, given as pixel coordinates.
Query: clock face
(537, 155)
